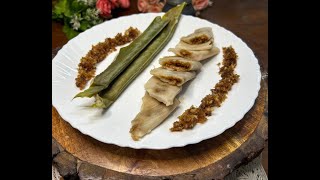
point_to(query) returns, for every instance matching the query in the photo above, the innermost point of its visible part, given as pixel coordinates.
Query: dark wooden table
(248, 19)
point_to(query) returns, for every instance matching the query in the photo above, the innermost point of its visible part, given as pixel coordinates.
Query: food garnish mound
(195, 115)
(87, 65)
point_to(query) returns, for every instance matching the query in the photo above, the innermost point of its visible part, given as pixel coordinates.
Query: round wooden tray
(79, 156)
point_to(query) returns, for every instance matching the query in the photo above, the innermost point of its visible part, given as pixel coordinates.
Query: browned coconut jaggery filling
(185, 53)
(177, 65)
(87, 65)
(199, 39)
(195, 115)
(172, 80)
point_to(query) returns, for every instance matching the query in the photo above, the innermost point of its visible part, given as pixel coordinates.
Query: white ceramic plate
(113, 125)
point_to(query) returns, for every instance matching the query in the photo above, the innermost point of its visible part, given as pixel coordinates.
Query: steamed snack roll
(175, 78)
(162, 91)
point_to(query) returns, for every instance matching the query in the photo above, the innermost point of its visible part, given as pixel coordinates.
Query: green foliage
(76, 15)
(70, 33)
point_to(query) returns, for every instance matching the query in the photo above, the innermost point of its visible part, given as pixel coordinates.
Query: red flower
(114, 4)
(104, 6)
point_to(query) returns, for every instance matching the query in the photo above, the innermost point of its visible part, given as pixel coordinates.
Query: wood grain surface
(214, 157)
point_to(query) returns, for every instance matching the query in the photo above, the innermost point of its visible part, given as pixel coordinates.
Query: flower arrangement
(157, 5)
(151, 5)
(79, 15)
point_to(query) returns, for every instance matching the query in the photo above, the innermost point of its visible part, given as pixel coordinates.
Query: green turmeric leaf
(125, 57)
(108, 96)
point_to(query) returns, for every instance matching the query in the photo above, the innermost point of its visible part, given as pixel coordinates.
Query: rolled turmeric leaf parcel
(125, 57)
(106, 97)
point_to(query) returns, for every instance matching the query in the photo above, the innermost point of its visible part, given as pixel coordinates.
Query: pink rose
(200, 4)
(155, 8)
(104, 6)
(143, 6)
(124, 3)
(150, 5)
(153, 1)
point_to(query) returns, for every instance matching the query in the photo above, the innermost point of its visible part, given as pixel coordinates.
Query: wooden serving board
(79, 156)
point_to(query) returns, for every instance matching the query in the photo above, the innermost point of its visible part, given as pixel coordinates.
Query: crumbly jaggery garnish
(190, 118)
(87, 65)
(200, 39)
(195, 115)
